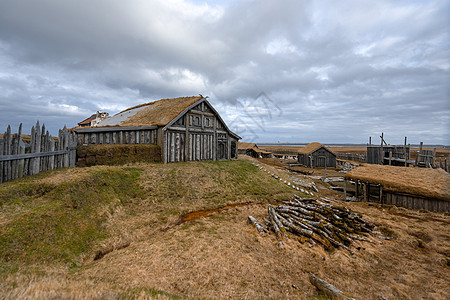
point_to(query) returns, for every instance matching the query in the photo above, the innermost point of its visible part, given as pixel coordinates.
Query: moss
(69, 219)
(117, 154)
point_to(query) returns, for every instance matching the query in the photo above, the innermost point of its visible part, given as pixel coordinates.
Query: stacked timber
(314, 221)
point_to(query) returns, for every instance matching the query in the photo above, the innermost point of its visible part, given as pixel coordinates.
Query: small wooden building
(413, 188)
(395, 155)
(243, 147)
(253, 150)
(316, 155)
(186, 129)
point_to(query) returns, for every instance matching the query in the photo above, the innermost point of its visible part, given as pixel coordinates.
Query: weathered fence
(42, 152)
(351, 156)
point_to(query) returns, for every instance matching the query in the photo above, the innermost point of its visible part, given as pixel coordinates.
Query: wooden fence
(42, 152)
(351, 156)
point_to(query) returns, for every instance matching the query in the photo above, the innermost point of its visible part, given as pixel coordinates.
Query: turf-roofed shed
(185, 128)
(252, 150)
(413, 188)
(316, 155)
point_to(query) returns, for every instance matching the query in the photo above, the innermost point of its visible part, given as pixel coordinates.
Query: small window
(196, 121)
(208, 122)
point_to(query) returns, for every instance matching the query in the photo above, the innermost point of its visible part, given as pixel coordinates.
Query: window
(208, 122)
(196, 121)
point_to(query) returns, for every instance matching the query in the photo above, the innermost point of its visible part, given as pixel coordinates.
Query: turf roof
(311, 148)
(159, 113)
(425, 182)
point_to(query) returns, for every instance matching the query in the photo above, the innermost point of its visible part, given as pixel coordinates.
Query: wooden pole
(390, 157)
(381, 151)
(420, 153)
(434, 157)
(404, 152)
(365, 191)
(345, 189)
(381, 193)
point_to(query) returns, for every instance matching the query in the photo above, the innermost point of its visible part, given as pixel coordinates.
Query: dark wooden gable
(322, 151)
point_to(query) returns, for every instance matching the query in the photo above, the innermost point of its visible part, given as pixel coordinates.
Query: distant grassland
(440, 152)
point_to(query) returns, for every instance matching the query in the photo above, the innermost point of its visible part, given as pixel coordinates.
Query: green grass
(63, 222)
(58, 223)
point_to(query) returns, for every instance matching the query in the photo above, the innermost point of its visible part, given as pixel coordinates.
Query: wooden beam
(345, 189)
(365, 191)
(404, 153)
(381, 194)
(420, 154)
(112, 129)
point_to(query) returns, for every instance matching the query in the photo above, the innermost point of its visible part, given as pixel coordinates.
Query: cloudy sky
(287, 71)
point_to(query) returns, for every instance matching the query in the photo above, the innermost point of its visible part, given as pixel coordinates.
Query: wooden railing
(41, 152)
(351, 156)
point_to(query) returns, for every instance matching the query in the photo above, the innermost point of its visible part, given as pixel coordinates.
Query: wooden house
(316, 155)
(253, 150)
(243, 147)
(185, 128)
(94, 119)
(413, 188)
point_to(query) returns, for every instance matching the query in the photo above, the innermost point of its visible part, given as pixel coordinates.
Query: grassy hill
(118, 232)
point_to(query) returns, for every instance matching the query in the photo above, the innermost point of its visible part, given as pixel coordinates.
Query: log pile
(314, 221)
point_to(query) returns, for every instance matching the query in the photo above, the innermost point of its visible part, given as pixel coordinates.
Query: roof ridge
(157, 101)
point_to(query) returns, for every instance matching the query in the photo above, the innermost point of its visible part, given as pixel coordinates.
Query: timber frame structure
(316, 155)
(186, 129)
(413, 188)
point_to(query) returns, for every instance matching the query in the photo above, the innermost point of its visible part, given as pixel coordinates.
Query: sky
(276, 71)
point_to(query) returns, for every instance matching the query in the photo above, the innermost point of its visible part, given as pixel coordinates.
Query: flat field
(122, 233)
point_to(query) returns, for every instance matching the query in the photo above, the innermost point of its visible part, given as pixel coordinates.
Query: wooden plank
(345, 189)
(142, 137)
(7, 150)
(365, 191)
(36, 165)
(65, 134)
(172, 146)
(215, 138)
(177, 146)
(32, 155)
(198, 148)
(380, 199)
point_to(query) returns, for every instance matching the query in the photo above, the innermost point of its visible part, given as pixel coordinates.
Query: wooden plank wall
(351, 156)
(148, 136)
(19, 159)
(412, 202)
(200, 147)
(364, 191)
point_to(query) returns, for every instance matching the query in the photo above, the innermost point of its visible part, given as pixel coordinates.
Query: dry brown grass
(430, 183)
(242, 145)
(221, 256)
(161, 112)
(310, 148)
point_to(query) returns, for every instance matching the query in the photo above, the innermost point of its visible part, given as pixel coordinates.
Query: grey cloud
(339, 70)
